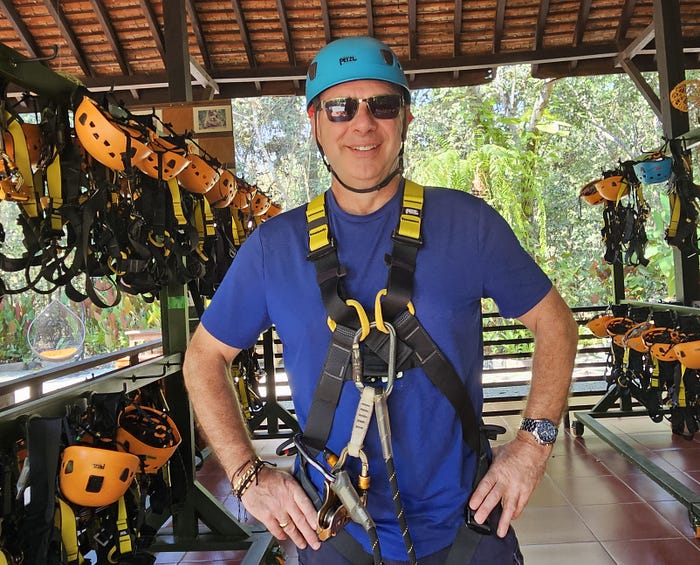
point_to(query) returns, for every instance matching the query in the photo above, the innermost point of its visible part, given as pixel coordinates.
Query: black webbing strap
(43, 450)
(328, 389)
(441, 373)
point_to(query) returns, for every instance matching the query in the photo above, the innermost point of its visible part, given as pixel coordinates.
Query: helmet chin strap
(397, 171)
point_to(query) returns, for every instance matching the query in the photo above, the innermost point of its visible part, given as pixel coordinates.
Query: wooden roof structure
(234, 48)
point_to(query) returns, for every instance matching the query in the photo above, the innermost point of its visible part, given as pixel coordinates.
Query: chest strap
(346, 317)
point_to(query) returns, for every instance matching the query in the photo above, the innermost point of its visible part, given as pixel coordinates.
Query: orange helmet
(223, 192)
(259, 204)
(617, 328)
(590, 193)
(91, 476)
(199, 177)
(633, 338)
(660, 342)
(598, 325)
(107, 141)
(166, 161)
(149, 433)
(688, 353)
(613, 188)
(273, 210)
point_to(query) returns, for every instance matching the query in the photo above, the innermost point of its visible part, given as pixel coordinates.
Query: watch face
(546, 431)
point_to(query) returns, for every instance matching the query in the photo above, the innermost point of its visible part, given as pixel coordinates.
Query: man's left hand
(517, 468)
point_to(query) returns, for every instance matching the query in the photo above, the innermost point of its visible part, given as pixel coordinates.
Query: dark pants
(491, 550)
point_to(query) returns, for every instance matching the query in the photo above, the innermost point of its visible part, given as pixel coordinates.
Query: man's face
(364, 150)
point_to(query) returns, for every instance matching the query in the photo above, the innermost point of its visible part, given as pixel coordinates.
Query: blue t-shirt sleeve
(237, 314)
(511, 277)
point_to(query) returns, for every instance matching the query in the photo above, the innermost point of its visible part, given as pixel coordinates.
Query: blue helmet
(353, 58)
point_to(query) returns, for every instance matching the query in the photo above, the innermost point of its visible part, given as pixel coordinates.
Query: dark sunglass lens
(340, 109)
(385, 107)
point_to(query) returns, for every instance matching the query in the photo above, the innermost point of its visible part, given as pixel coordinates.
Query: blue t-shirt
(469, 253)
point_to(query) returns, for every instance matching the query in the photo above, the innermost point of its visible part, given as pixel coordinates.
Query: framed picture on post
(212, 119)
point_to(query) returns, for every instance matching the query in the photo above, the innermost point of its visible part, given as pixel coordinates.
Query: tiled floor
(593, 506)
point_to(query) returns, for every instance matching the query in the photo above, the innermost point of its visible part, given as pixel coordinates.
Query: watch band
(544, 431)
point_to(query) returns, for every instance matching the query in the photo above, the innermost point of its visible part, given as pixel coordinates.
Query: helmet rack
(192, 504)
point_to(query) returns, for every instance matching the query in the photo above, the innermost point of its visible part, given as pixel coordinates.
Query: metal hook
(15, 62)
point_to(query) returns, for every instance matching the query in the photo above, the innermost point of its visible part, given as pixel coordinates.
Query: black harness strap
(441, 373)
(327, 393)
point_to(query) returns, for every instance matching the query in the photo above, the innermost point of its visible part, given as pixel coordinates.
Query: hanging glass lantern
(57, 334)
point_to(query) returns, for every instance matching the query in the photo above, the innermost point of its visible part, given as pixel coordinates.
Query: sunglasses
(383, 107)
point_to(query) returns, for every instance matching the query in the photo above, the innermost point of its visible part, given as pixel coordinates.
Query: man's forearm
(217, 409)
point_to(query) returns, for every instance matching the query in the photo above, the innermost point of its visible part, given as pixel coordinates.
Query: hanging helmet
(91, 476)
(688, 353)
(223, 191)
(598, 325)
(353, 58)
(654, 170)
(272, 211)
(590, 193)
(107, 141)
(618, 327)
(244, 194)
(633, 338)
(166, 161)
(660, 342)
(149, 433)
(613, 187)
(199, 177)
(259, 204)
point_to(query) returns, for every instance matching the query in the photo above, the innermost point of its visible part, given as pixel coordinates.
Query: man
(318, 272)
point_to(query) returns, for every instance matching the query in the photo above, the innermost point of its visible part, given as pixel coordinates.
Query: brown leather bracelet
(246, 474)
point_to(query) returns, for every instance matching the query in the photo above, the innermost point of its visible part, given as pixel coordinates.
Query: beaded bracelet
(248, 473)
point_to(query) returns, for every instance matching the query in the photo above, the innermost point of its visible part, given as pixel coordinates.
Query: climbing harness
(371, 353)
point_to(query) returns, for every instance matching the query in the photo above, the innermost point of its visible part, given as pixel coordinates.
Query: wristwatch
(544, 431)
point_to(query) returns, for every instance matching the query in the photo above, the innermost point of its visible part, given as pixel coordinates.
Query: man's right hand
(277, 500)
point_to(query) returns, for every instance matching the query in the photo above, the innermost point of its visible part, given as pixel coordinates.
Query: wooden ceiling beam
(412, 31)
(541, 23)
(624, 23)
(12, 16)
(108, 29)
(326, 21)
(63, 25)
(584, 10)
(459, 10)
(154, 28)
(498, 25)
(198, 34)
(282, 13)
(243, 30)
(539, 29)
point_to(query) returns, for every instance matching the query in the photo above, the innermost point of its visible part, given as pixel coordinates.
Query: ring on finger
(284, 524)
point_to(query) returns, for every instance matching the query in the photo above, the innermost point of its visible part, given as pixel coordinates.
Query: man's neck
(363, 204)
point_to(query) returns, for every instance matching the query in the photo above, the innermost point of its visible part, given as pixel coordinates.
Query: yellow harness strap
(237, 231)
(64, 520)
(177, 202)
(23, 163)
(55, 200)
(411, 211)
(125, 545)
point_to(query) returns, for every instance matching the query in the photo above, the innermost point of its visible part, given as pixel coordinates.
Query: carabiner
(361, 315)
(379, 316)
